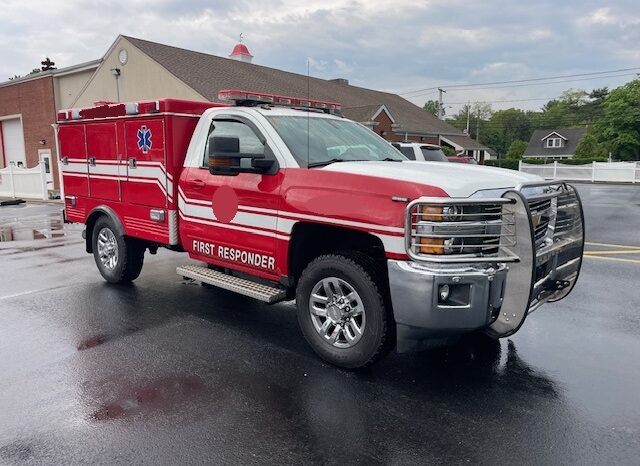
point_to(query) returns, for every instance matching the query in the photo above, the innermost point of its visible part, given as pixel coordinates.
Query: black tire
(130, 254)
(373, 344)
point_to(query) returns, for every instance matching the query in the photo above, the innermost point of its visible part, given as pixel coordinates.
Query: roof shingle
(208, 74)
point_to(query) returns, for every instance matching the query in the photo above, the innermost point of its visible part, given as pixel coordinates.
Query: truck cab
(281, 198)
(421, 152)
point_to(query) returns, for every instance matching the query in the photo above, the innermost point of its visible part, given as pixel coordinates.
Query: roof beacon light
(250, 98)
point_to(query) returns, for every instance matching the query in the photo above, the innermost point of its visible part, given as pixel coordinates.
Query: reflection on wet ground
(17, 223)
(159, 395)
(165, 371)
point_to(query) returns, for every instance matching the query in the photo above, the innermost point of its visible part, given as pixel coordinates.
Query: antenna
(308, 100)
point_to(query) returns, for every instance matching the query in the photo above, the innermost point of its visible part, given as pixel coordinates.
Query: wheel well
(310, 240)
(93, 217)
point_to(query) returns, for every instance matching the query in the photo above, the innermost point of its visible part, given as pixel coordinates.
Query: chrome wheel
(337, 312)
(107, 248)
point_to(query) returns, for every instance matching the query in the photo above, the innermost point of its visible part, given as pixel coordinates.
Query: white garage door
(13, 141)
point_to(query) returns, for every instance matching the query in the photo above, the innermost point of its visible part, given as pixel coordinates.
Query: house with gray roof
(554, 143)
(149, 70)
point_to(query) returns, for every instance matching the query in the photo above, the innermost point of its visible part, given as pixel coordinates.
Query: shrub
(513, 164)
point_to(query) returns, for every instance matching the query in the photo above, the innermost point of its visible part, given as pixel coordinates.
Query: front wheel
(119, 259)
(342, 312)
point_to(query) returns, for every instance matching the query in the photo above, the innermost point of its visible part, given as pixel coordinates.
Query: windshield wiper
(389, 159)
(328, 162)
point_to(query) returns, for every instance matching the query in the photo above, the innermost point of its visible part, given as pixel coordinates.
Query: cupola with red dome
(241, 53)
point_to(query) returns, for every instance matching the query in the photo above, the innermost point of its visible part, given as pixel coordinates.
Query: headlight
(456, 229)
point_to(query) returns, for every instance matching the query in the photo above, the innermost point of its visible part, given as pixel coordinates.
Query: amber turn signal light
(431, 245)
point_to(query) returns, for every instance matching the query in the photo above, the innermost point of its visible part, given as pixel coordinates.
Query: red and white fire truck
(280, 198)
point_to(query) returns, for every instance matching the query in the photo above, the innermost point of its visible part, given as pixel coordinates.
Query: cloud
(396, 45)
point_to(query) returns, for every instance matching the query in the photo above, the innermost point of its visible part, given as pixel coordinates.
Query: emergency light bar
(254, 98)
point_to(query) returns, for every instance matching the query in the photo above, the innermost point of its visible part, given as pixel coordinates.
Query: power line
(540, 84)
(517, 81)
(499, 101)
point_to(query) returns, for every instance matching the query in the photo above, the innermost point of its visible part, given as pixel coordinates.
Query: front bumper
(493, 295)
(424, 320)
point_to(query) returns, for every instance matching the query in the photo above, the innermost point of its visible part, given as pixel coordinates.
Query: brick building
(28, 107)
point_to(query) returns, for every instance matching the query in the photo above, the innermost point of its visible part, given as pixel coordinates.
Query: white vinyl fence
(618, 172)
(28, 183)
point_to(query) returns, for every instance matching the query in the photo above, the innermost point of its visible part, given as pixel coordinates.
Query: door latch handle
(65, 160)
(133, 163)
(92, 161)
(197, 184)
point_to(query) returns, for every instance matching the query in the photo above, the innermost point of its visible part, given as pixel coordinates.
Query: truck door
(146, 162)
(232, 220)
(103, 161)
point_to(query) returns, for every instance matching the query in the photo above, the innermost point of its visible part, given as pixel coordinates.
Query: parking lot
(167, 371)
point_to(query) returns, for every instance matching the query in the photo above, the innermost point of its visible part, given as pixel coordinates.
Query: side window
(249, 141)
(407, 151)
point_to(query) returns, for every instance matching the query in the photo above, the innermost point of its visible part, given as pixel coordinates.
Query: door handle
(133, 163)
(92, 161)
(196, 184)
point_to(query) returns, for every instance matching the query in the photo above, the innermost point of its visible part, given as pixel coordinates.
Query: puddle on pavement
(36, 227)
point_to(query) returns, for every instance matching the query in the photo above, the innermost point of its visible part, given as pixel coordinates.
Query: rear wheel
(119, 259)
(342, 312)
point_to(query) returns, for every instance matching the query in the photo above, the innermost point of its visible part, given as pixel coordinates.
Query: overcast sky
(398, 45)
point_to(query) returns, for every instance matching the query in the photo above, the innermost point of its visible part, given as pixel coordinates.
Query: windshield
(431, 154)
(330, 140)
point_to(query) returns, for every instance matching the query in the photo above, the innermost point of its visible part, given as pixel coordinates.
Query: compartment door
(103, 161)
(146, 163)
(73, 160)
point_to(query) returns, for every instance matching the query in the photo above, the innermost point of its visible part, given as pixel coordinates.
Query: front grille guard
(542, 268)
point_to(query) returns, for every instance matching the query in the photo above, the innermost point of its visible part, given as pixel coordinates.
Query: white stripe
(287, 222)
(74, 167)
(228, 226)
(105, 169)
(241, 218)
(154, 172)
(192, 201)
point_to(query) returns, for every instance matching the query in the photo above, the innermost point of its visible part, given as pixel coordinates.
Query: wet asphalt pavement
(166, 371)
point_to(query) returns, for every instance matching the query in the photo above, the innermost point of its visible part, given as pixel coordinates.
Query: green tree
(589, 147)
(619, 127)
(431, 106)
(504, 127)
(448, 151)
(516, 149)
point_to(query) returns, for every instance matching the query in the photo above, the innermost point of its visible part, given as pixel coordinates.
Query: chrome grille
(476, 230)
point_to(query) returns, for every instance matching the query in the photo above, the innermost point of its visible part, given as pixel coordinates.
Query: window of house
(554, 142)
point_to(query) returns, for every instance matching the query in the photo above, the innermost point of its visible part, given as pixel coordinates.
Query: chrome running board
(265, 293)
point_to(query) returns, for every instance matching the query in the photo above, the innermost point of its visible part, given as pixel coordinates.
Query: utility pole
(468, 116)
(440, 104)
(478, 126)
